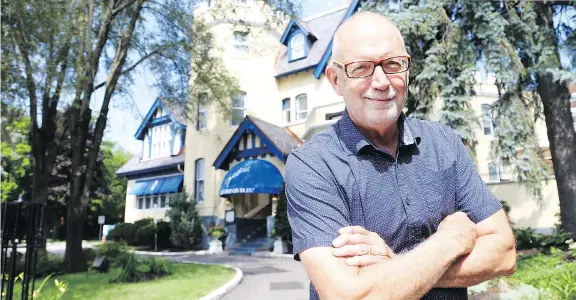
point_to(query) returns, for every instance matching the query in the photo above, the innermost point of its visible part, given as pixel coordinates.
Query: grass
(188, 281)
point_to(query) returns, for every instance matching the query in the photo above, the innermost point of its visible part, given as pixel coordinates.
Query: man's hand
(360, 247)
(459, 228)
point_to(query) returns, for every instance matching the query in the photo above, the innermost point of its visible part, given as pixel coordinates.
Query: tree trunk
(75, 260)
(562, 137)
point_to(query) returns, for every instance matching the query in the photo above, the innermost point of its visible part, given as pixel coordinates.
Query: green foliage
(123, 232)
(135, 269)
(282, 227)
(117, 253)
(527, 238)
(548, 272)
(141, 233)
(15, 153)
(184, 222)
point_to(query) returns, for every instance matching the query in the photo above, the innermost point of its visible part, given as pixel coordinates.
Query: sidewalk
(264, 278)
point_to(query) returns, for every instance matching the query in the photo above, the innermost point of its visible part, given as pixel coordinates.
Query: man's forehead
(364, 47)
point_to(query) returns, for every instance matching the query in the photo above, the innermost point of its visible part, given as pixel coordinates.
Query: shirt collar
(355, 140)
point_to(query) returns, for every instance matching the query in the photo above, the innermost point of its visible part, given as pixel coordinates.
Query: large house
(234, 165)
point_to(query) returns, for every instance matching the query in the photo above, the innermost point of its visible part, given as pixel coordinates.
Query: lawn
(188, 281)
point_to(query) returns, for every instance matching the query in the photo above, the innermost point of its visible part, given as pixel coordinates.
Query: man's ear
(332, 75)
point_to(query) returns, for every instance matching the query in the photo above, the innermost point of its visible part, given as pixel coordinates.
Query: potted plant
(215, 232)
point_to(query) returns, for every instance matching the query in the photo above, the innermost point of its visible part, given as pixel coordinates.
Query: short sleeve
(316, 211)
(472, 194)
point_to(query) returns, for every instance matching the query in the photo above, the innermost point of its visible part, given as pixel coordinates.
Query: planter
(280, 246)
(215, 246)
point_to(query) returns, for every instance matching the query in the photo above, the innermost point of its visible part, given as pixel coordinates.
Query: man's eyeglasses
(362, 69)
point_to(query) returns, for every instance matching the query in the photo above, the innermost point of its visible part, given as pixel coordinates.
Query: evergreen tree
(282, 227)
(184, 221)
(520, 44)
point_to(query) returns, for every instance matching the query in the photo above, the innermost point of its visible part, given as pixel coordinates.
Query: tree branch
(131, 68)
(121, 8)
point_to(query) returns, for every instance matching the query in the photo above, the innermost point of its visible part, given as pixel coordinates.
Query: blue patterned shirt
(338, 178)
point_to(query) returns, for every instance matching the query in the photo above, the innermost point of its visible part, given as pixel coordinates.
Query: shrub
(164, 232)
(123, 232)
(144, 235)
(527, 238)
(282, 227)
(90, 254)
(117, 253)
(47, 264)
(184, 221)
(136, 270)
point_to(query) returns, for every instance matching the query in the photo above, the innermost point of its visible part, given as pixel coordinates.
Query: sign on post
(101, 221)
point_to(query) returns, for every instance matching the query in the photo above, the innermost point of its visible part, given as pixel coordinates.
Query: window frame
(202, 112)
(297, 110)
(233, 109)
(487, 117)
(199, 178)
(304, 46)
(241, 48)
(285, 110)
(494, 172)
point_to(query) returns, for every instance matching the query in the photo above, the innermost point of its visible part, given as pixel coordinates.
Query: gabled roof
(323, 28)
(320, 51)
(279, 141)
(294, 25)
(321, 66)
(136, 167)
(176, 111)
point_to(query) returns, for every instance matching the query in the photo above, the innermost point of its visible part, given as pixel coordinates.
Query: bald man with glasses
(383, 206)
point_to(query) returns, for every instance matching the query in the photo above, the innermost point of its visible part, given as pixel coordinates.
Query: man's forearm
(410, 275)
(489, 258)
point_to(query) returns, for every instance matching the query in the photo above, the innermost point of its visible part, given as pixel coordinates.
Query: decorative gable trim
(294, 25)
(353, 8)
(150, 121)
(231, 152)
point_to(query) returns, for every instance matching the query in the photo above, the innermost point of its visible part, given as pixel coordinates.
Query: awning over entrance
(252, 176)
(157, 186)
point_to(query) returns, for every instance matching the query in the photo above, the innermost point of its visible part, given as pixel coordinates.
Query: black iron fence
(21, 237)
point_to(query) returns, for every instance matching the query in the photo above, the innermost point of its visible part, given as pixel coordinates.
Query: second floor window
(199, 181)
(161, 139)
(238, 110)
(286, 111)
(487, 119)
(202, 115)
(240, 43)
(297, 46)
(301, 107)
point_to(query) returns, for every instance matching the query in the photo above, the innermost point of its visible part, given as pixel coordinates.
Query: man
(378, 176)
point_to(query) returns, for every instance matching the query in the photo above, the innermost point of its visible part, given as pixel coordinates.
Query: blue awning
(171, 184)
(253, 176)
(148, 187)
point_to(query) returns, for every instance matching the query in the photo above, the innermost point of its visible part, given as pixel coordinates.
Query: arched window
(301, 107)
(297, 46)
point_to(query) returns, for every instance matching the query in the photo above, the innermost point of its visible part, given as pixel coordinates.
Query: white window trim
(497, 175)
(491, 121)
(198, 179)
(143, 198)
(202, 110)
(303, 46)
(299, 111)
(237, 45)
(238, 108)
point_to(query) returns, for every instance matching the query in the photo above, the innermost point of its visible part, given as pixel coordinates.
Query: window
(140, 202)
(148, 204)
(238, 111)
(487, 119)
(163, 201)
(240, 43)
(301, 107)
(297, 46)
(493, 171)
(202, 112)
(161, 139)
(199, 181)
(286, 111)
(156, 201)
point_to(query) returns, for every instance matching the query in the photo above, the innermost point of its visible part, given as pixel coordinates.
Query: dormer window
(297, 46)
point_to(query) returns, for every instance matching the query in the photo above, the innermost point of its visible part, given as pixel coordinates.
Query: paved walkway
(264, 278)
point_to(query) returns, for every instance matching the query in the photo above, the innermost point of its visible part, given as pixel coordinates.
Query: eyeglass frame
(375, 63)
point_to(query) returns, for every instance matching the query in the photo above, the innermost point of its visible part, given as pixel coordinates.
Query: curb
(201, 252)
(227, 287)
(271, 255)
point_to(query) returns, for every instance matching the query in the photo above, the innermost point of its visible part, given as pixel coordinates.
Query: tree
(53, 51)
(521, 45)
(15, 150)
(282, 227)
(184, 221)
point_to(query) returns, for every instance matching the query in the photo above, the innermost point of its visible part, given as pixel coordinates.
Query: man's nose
(379, 79)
